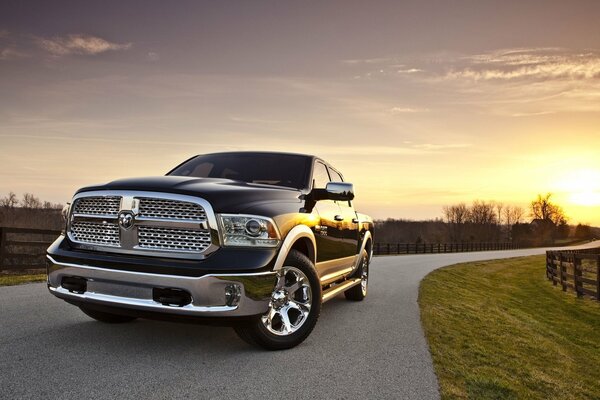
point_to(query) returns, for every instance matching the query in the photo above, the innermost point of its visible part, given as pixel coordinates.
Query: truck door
(329, 232)
(348, 220)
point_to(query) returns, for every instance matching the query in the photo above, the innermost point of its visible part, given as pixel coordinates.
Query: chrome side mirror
(341, 191)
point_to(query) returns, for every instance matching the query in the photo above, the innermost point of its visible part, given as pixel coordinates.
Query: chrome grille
(164, 224)
(170, 209)
(173, 239)
(104, 233)
(98, 205)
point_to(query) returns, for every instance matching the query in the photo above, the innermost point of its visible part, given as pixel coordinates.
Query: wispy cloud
(79, 44)
(407, 110)
(11, 53)
(537, 63)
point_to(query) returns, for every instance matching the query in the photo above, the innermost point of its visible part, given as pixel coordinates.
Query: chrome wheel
(290, 302)
(364, 276)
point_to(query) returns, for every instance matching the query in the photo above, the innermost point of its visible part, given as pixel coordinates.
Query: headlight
(248, 231)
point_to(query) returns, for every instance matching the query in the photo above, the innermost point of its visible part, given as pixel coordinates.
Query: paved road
(373, 349)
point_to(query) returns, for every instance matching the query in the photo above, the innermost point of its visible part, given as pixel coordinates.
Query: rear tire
(106, 317)
(293, 310)
(359, 292)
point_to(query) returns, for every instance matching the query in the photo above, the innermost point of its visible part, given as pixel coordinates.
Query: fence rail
(578, 270)
(423, 248)
(22, 249)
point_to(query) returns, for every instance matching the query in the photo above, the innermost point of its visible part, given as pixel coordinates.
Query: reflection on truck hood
(225, 195)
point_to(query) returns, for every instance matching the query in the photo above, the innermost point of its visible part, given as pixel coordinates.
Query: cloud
(152, 56)
(79, 44)
(407, 110)
(533, 114)
(531, 64)
(409, 70)
(11, 53)
(438, 147)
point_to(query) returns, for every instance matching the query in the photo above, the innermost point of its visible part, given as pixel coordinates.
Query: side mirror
(341, 191)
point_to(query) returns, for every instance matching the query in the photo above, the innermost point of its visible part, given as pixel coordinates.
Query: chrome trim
(130, 289)
(130, 201)
(334, 276)
(342, 287)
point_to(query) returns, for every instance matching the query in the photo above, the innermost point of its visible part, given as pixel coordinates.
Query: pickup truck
(255, 240)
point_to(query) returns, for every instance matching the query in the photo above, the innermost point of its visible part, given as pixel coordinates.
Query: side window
(335, 177)
(320, 176)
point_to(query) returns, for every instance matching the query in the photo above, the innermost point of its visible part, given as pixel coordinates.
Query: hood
(225, 195)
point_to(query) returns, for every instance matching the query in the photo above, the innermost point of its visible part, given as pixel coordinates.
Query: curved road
(373, 349)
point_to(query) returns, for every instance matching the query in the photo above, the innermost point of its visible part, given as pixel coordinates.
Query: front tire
(106, 317)
(293, 310)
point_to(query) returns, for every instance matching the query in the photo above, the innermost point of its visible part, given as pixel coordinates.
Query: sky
(419, 104)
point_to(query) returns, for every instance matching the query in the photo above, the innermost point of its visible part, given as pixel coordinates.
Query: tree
(544, 209)
(583, 231)
(9, 201)
(513, 215)
(456, 216)
(30, 201)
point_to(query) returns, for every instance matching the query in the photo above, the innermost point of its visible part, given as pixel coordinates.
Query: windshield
(288, 170)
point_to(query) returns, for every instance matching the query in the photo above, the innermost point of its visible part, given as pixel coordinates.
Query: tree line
(543, 223)
(29, 212)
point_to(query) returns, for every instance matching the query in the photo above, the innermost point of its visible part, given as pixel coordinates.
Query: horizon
(419, 104)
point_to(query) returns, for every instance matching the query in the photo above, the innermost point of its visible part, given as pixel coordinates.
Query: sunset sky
(419, 104)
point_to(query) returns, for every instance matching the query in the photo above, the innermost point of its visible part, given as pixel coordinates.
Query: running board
(337, 289)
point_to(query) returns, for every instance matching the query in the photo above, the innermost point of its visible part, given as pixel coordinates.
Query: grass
(500, 330)
(10, 280)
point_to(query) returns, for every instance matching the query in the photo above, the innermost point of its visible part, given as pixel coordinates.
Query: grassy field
(500, 330)
(10, 280)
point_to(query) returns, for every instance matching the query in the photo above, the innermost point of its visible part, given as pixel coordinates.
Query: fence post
(577, 275)
(598, 278)
(2, 244)
(560, 268)
(388, 248)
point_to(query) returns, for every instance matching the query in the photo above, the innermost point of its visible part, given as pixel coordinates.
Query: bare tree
(9, 201)
(456, 216)
(513, 215)
(51, 206)
(483, 213)
(30, 201)
(543, 208)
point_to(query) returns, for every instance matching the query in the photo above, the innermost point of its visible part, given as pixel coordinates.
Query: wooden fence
(578, 270)
(23, 249)
(423, 248)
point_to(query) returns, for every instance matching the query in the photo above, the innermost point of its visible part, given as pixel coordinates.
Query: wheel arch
(299, 238)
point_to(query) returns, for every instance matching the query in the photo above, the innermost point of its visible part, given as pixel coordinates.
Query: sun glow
(583, 187)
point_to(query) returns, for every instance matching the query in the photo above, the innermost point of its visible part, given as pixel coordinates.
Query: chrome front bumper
(133, 290)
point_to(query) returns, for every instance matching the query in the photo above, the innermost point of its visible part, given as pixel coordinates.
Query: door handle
(338, 218)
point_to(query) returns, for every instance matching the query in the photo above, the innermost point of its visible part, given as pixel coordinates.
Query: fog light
(233, 293)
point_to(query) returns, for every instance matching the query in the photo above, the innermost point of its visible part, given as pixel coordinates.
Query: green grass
(500, 330)
(10, 280)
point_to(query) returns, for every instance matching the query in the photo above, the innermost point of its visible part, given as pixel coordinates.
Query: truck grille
(98, 205)
(96, 233)
(173, 239)
(170, 209)
(161, 223)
